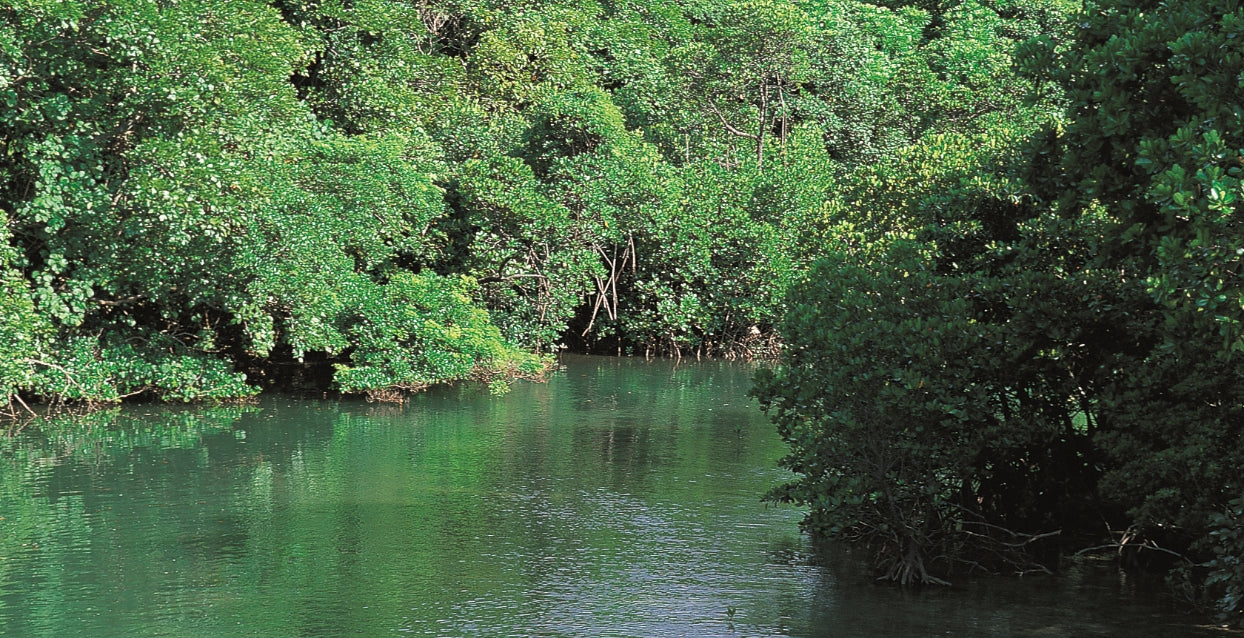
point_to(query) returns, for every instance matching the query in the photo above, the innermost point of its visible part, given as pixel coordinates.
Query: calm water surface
(619, 499)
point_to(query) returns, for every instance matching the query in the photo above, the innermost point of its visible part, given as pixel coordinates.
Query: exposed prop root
(910, 570)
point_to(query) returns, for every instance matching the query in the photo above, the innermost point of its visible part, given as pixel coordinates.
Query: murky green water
(619, 499)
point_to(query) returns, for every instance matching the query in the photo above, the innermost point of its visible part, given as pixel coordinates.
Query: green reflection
(619, 499)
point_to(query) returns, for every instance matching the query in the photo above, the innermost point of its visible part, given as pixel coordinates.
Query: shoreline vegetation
(994, 245)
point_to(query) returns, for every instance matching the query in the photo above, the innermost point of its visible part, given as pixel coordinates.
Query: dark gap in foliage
(459, 231)
(281, 372)
(307, 81)
(458, 38)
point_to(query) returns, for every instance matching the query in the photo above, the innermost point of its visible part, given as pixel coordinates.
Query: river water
(621, 498)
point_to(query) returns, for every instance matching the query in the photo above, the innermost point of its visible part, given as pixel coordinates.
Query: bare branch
(121, 302)
(18, 398)
(730, 128)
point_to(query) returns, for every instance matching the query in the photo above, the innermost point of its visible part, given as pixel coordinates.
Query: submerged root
(389, 395)
(909, 569)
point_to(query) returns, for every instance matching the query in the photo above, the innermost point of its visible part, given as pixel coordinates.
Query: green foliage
(375, 70)
(930, 407)
(1097, 284)
(176, 210)
(423, 330)
(1227, 567)
(711, 264)
(516, 242)
(522, 55)
(22, 329)
(880, 457)
(89, 371)
(1154, 139)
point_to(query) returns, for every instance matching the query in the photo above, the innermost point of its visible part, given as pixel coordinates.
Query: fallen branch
(1120, 546)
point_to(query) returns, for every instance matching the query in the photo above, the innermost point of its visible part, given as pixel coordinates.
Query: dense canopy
(206, 197)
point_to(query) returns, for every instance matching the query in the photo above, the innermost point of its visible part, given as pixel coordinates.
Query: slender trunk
(760, 129)
(785, 119)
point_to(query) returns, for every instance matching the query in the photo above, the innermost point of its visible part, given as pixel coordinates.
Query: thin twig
(68, 377)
